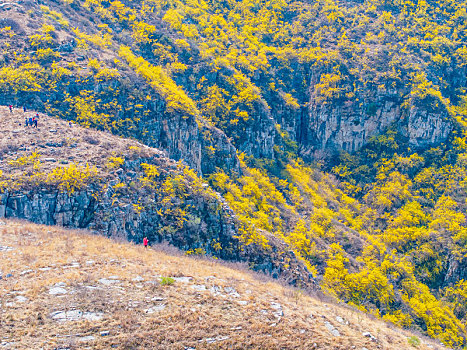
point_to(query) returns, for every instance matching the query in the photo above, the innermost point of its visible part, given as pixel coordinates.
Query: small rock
(25, 272)
(213, 340)
(53, 144)
(138, 279)
(104, 333)
(7, 344)
(242, 302)
(340, 320)
(276, 306)
(215, 290)
(75, 315)
(86, 338)
(157, 299)
(91, 287)
(61, 316)
(4, 248)
(133, 303)
(93, 316)
(21, 299)
(155, 309)
(332, 329)
(198, 287)
(71, 266)
(222, 337)
(52, 160)
(182, 279)
(278, 313)
(232, 292)
(108, 282)
(369, 335)
(57, 291)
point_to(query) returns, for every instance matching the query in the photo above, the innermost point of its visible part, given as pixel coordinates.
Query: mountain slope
(322, 141)
(68, 289)
(65, 175)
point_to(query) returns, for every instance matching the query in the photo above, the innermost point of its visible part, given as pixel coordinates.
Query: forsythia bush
(72, 178)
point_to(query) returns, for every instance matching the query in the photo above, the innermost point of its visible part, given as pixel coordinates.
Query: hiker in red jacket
(145, 242)
(11, 108)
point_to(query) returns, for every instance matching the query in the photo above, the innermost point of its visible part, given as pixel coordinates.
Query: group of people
(29, 121)
(32, 121)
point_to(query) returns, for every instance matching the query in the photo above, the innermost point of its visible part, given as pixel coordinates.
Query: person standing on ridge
(145, 242)
(24, 109)
(11, 108)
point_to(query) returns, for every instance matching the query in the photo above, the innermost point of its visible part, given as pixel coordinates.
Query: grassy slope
(57, 143)
(42, 256)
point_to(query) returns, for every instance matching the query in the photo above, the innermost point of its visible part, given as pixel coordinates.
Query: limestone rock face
(425, 129)
(82, 210)
(258, 139)
(208, 223)
(328, 128)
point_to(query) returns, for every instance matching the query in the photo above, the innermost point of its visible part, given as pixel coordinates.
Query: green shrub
(167, 281)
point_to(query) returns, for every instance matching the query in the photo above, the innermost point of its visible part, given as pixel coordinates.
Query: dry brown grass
(190, 317)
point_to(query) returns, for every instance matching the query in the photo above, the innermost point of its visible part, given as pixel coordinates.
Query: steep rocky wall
(327, 128)
(102, 216)
(83, 210)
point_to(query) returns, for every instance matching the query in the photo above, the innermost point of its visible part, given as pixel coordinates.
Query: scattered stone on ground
(341, 320)
(199, 287)
(108, 281)
(154, 309)
(371, 336)
(278, 312)
(214, 340)
(182, 279)
(71, 266)
(86, 338)
(332, 329)
(76, 315)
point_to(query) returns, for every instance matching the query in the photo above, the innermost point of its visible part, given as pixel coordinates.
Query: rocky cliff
(78, 178)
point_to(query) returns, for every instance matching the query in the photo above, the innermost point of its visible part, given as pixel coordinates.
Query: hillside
(71, 176)
(323, 142)
(70, 290)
